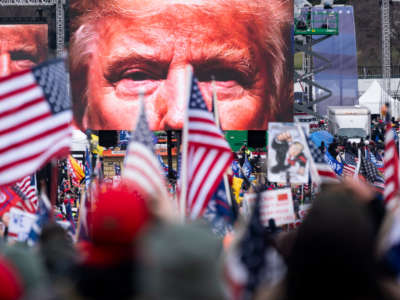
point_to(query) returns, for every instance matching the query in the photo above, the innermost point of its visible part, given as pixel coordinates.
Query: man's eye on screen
(232, 76)
(23, 59)
(129, 82)
(140, 76)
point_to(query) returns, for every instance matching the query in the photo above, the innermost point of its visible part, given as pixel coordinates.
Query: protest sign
(286, 160)
(275, 204)
(20, 224)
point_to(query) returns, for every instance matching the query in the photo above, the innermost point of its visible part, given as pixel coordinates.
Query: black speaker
(108, 138)
(256, 138)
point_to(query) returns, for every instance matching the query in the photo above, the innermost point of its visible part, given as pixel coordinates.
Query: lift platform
(315, 26)
(310, 22)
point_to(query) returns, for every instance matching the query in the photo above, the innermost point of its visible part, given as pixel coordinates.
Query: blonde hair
(298, 145)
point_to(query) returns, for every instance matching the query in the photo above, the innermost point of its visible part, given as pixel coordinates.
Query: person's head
(109, 263)
(22, 47)
(11, 287)
(295, 149)
(121, 47)
(334, 249)
(177, 267)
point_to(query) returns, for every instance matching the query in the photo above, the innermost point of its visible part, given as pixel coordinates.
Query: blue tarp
(318, 136)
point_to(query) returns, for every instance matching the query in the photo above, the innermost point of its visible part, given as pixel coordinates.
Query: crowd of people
(344, 247)
(132, 253)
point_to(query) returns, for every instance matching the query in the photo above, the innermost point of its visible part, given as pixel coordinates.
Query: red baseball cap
(11, 284)
(119, 215)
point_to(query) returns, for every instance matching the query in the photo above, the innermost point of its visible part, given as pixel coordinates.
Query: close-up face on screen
(22, 46)
(120, 48)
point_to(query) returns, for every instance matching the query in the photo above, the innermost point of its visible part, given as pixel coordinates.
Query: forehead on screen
(141, 8)
(42, 28)
(27, 32)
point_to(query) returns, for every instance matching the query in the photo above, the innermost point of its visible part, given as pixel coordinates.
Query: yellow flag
(236, 186)
(95, 145)
(75, 169)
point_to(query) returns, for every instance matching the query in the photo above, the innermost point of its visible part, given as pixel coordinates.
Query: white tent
(372, 99)
(79, 141)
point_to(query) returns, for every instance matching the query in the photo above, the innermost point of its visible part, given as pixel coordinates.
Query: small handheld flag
(208, 154)
(35, 118)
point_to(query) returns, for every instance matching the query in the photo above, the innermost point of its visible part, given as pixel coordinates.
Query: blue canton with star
(196, 98)
(316, 154)
(52, 77)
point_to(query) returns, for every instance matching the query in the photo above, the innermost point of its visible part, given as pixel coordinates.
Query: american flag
(324, 172)
(391, 168)
(26, 189)
(253, 261)
(35, 119)
(208, 154)
(8, 199)
(142, 168)
(219, 212)
(369, 170)
(349, 165)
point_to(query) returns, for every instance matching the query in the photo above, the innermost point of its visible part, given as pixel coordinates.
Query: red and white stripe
(143, 170)
(29, 197)
(326, 173)
(209, 155)
(348, 170)
(29, 133)
(391, 168)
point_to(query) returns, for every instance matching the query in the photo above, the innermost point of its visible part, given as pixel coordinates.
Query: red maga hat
(119, 215)
(11, 284)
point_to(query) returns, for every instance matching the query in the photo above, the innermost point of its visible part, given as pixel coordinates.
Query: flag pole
(188, 86)
(214, 102)
(358, 165)
(216, 117)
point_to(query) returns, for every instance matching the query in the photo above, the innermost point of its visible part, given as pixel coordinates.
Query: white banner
(20, 224)
(275, 204)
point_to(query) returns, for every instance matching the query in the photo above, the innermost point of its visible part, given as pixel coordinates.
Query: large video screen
(240, 51)
(22, 46)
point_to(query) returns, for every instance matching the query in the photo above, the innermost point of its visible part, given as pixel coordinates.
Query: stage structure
(309, 23)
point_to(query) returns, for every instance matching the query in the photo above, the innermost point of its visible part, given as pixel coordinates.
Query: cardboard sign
(286, 159)
(275, 204)
(20, 224)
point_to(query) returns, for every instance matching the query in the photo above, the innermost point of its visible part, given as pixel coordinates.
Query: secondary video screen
(22, 46)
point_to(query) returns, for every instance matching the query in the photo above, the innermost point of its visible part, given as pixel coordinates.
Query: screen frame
(55, 26)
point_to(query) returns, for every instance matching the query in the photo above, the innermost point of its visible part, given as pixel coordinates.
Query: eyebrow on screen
(232, 59)
(118, 63)
(27, 51)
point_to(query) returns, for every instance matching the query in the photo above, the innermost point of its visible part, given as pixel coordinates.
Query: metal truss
(309, 73)
(385, 20)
